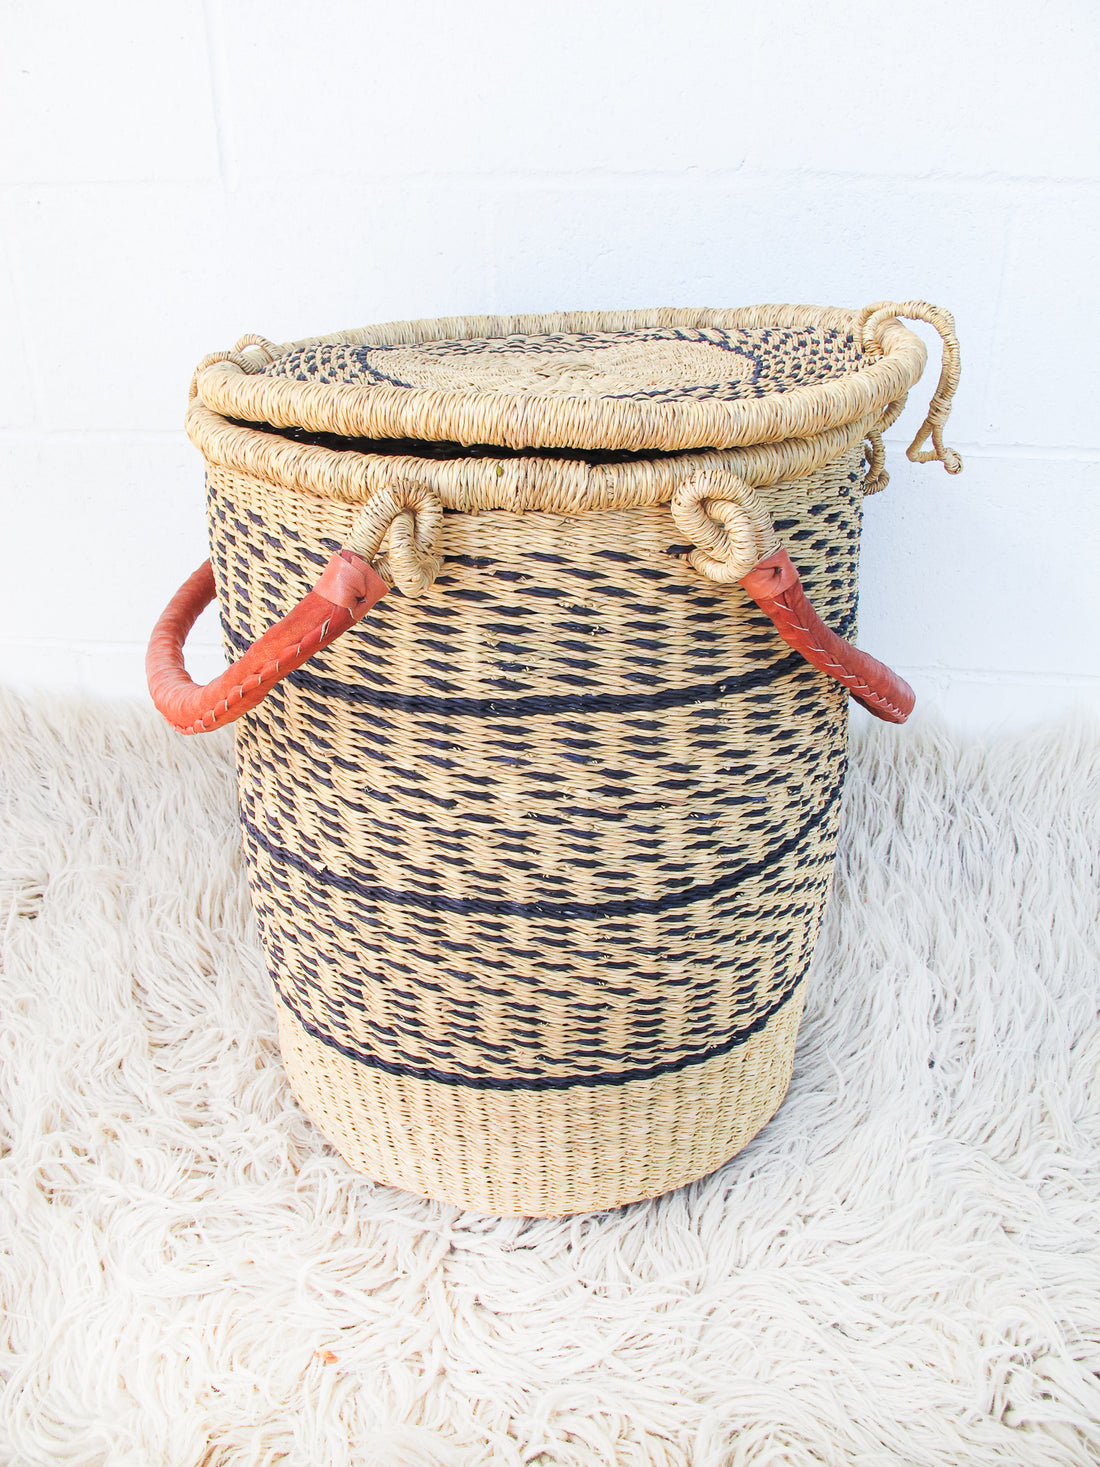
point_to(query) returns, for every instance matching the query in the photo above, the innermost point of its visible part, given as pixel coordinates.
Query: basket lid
(662, 380)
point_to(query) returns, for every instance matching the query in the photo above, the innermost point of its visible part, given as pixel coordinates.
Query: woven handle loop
(409, 517)
(876, 478)
(258, 343)
(735, 540)
(729, 526)
(399, 530)
(868, 330)
(249, 365)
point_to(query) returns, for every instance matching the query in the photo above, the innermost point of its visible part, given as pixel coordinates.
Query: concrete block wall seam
(538, 69)
(132, 250)
(18, 406)
(104, 93)
(215, 59)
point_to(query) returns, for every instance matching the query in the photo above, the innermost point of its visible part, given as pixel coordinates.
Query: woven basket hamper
(540, 630)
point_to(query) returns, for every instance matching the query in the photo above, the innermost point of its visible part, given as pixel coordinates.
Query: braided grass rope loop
(235, 358)
(868, 327)
(876, 478)
(250, 341)
(728, 524)
(249, 365)
(407, 518)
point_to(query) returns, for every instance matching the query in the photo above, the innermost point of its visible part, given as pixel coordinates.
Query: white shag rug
(903, 1268)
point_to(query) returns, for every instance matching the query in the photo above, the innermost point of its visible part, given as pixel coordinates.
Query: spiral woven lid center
(663, 364)
(637, 381)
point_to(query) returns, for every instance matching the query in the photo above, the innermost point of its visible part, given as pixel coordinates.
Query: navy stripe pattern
(568, 819)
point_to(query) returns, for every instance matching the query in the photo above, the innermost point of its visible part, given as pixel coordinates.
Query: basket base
(542, 1153)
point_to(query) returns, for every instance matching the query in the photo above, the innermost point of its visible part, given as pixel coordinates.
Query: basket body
(539, 858)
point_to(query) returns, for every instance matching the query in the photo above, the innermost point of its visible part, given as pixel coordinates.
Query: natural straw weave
(540, 849)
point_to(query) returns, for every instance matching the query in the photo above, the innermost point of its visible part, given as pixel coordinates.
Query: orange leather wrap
(774, 585)
(348, 588)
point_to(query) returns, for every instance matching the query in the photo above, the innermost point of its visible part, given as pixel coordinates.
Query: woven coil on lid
(661, 364)
(539, 841)
(714, 379)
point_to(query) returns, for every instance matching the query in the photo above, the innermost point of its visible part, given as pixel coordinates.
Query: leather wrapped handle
(348, 588)
(773, 583)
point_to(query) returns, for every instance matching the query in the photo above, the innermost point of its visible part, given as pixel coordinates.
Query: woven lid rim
(231, 384)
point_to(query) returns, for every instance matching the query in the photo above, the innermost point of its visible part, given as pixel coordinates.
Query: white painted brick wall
(174, 174)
